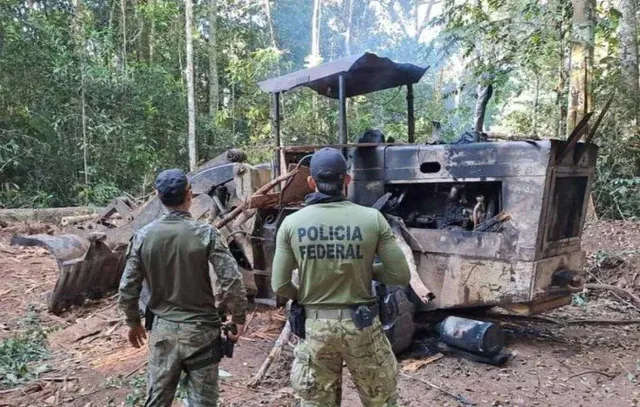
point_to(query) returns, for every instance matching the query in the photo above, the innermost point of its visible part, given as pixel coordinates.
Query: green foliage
(18, 354)
(128, 75)
(137, 395)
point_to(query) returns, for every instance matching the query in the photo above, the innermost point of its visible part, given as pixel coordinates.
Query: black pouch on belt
(149, 317)
(297, 319)
(363, 316)
(205, 357)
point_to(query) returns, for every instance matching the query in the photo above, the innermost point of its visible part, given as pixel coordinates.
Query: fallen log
(49, 215)
(71, 220)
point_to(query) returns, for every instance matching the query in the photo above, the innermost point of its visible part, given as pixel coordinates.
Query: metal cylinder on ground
(471, 335)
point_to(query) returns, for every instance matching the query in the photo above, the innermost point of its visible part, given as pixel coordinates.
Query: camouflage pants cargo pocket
(316, 375)
(372, 365)
(303, 379)
(170, 344)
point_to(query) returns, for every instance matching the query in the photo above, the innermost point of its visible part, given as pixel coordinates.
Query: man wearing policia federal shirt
(332, 242)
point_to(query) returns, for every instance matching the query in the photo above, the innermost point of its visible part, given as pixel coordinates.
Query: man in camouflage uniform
(173, 254)
(333, 243)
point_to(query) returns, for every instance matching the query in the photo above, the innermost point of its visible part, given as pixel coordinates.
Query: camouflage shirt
(172, 254)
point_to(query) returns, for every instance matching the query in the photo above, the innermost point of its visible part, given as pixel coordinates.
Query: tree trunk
(582, 45)
(314, 58)
(347, 34)
(629, 57)
(85, 146)
(484, 94)
(191, 108)
(267, 9)
(152, 34)
(536, 103)
(123, 23)
(78, 37)
(214, 90)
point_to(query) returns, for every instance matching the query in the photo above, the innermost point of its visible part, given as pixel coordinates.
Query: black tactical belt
(339, 314)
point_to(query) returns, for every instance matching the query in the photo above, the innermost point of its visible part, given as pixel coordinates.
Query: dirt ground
(556, 361)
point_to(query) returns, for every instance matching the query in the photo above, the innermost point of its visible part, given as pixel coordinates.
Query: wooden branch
(635, 299)
(272, 357)
(609, 375)
(457, 397)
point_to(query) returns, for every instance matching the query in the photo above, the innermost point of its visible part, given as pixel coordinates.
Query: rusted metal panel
(478, 244)
(545, 268)
(538, 306)
(459, 281)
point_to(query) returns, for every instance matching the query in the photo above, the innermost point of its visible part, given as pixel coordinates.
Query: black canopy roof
(364, 74)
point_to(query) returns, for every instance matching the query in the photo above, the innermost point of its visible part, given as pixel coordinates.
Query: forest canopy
(96, 96)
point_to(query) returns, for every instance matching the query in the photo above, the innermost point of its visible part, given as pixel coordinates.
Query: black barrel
(471, 335)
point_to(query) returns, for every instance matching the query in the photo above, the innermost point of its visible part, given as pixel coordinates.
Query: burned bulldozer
(483, 223)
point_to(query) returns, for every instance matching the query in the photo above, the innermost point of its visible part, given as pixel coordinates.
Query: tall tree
(629, 57)
(191, 103)
(78, 35)
(272, 34)
(347, 34)
(214, 87)
(582, 46)
(314, 58)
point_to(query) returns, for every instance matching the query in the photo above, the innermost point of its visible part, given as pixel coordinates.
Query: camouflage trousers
(316, 375)
(169, 345)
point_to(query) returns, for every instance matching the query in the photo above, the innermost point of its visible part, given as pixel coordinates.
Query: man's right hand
(234, 337)
(137, 335)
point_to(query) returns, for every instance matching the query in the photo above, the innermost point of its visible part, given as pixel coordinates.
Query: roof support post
(275, 130)
(411, 120)
(342, 99)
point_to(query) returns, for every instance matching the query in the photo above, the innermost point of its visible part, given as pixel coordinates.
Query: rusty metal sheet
(471, 244)
(297, 187)
(364, 74)
(464, 282)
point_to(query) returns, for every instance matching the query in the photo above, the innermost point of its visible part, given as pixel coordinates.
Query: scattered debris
(414, 365)
(635, 299)
(272, 356)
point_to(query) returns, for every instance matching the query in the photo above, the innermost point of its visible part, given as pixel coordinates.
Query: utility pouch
(297, 319)
(208, 356)
(363, 316)
(148, 319)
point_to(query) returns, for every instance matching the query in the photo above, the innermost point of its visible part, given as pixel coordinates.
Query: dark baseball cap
(328, 164)
(171, 186)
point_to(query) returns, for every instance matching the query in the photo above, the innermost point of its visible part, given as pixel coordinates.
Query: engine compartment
(446, 205)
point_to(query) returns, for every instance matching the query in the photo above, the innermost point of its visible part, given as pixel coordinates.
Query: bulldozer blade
(91, 276)
(63, 247)
(88, 268)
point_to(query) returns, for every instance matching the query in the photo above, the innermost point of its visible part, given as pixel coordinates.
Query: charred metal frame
(275, 129)
(342, 100)
(411, 120)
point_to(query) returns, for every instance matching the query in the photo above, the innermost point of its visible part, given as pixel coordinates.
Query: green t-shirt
(333, 246)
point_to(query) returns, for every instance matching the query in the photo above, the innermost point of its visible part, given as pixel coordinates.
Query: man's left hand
(137, 335)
